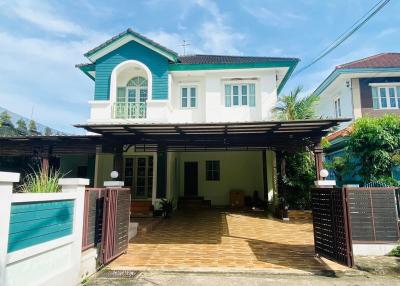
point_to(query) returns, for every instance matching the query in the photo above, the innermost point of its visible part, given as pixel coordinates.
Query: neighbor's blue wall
(157, 64)
(32, 223)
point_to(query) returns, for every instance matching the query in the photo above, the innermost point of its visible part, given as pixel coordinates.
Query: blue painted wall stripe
(20, 208)
(157, 64)
(32, 223)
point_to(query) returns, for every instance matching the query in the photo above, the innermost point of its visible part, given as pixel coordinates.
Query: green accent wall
(33, 223)
(157, 64)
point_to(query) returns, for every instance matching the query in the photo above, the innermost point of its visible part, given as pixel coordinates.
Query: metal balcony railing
(129, 110)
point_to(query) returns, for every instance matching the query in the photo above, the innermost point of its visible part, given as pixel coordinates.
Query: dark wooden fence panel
(332, 235)
(373, 214)
(116, 224)
(93, 217)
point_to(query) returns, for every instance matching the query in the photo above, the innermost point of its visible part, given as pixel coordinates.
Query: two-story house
(179, 127)
(138, 81)
(365, 87)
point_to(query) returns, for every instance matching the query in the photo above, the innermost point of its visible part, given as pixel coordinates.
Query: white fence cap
(9, 177)
(73, 182)
(117, 184)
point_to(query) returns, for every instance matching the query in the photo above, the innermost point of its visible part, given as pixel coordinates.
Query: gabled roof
(127, 35)
(384, 62)
(218, 62)
(88, 68)
(222, 59)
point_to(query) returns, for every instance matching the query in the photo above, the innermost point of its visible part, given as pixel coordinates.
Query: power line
(345, 35)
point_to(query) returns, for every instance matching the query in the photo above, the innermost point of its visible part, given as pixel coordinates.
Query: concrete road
(237, 279)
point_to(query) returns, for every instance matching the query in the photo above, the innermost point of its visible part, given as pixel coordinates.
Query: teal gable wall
(157, 64)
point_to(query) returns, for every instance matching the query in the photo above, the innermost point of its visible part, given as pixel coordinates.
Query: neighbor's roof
(340, 133)
(221, 59)
(384, 62)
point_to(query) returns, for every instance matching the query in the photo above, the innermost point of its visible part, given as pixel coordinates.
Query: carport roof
(190, 136)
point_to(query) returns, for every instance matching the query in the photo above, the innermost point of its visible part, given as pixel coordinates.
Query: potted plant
(167, 207)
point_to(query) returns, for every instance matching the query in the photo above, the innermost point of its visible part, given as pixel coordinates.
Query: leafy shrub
(395, 251)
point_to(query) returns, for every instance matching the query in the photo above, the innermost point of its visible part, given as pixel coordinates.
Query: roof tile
(383, 60)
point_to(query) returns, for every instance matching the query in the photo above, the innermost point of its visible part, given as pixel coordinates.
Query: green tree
(375, 143)
(47, 131)
(22, 129)
(32, 128)
(292, 107)
(5, 119)
(297, 170)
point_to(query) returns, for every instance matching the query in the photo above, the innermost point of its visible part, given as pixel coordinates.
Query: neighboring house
(365, 87)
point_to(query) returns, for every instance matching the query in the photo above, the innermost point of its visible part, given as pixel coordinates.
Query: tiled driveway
(209, 239)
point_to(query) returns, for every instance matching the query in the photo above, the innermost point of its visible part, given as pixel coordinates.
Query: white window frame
(240, 84)
(338, 107)
(387, 87)
(188, 87)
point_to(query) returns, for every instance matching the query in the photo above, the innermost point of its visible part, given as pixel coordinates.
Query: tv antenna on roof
(184, 45)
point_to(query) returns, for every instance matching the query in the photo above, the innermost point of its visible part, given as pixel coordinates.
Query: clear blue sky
(41, 41)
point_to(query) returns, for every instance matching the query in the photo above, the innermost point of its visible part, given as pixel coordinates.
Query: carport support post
(318, 151)
(118, 160)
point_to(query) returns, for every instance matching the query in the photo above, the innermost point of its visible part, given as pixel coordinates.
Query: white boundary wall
(56, 262)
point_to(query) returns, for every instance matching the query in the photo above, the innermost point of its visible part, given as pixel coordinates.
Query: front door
(139, 176)
(191, 179)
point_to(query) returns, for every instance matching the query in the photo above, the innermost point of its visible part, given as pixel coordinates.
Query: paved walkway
(239, 279)
(212, 239)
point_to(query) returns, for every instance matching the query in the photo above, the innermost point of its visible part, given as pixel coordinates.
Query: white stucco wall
(326, 105)
(210, 97)
(239, 170)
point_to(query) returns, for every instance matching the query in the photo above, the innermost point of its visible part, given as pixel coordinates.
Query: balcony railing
(129, 110)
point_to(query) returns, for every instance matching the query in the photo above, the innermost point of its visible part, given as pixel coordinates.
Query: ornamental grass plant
(43, 180)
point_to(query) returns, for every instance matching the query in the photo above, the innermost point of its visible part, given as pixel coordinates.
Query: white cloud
(218, 38)
(42, 15)
(215, 35)
(270, 17)
(387, 32)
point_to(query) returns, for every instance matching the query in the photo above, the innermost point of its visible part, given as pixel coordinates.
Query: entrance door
(139, 176)
(191, 179)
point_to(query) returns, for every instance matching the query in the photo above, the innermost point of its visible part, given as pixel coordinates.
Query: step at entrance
(193, 202)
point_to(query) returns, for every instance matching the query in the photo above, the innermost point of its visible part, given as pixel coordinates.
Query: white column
(154, 190)
(6, 187)
(76, 185)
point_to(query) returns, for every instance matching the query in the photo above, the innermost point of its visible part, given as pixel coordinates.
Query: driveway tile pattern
(209, 239)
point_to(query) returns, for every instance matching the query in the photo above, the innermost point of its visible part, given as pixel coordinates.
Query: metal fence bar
(373, 214)
(332, 235)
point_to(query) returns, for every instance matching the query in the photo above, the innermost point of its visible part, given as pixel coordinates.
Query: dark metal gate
(332, 234)
(106, 222)
(115, 224)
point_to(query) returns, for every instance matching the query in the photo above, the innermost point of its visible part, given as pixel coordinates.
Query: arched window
(134, 92)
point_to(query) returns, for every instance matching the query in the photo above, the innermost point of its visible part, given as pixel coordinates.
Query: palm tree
(292, 107)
